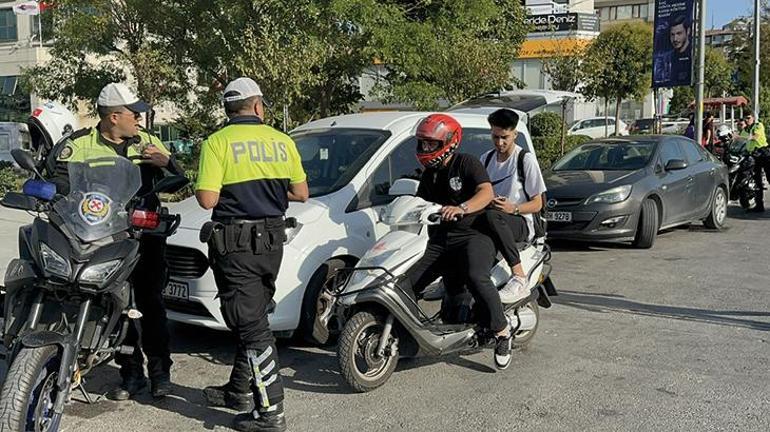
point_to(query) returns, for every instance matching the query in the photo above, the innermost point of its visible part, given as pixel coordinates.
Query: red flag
(45, 5)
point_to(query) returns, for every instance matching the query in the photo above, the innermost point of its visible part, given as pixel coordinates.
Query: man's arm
(299, 192)
(207, 199)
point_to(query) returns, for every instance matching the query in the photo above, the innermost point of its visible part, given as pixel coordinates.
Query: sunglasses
(136, 115)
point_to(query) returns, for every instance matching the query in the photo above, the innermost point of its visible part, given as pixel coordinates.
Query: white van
(350, 161)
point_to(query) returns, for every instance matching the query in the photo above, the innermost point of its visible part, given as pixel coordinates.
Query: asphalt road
(676, 338)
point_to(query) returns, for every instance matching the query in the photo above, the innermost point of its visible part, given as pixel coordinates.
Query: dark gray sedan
(629, 188)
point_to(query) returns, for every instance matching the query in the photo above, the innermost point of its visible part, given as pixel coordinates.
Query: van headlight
(611, 196)
(99, 273)
(54, 263)
(292, 232)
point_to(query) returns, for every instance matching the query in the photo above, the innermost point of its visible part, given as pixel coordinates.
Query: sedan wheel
(718, 214)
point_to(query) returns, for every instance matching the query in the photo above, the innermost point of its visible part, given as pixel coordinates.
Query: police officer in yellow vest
(757, 145)
(248, 174)
(119, 134)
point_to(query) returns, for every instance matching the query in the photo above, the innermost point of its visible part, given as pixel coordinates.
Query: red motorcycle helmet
(438, 137)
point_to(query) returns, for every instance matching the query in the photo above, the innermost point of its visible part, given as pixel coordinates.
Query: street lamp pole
(701, 71)
(756, 59)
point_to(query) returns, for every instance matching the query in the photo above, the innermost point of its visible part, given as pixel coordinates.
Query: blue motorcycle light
(39, 189)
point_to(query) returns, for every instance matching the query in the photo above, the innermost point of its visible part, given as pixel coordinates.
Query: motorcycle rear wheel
(361, 367)
(522, 338)
(29, 391)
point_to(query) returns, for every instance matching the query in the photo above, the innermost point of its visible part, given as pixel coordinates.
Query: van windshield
(332, 157)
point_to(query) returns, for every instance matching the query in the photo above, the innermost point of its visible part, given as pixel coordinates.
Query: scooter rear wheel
(523, 338)
(361, 367)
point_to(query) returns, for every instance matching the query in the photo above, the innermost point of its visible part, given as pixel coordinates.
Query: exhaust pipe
(527, 320)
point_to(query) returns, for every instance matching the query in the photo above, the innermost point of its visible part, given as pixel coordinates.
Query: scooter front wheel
(363, 368)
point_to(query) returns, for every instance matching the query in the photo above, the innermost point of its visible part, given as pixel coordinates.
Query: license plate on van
(177, 290)
(558, 216)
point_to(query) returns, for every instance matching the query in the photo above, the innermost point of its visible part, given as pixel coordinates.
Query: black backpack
(538, 219)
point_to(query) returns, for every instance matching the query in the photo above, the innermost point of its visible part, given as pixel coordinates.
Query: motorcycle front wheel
(28, 394)
(363, 369)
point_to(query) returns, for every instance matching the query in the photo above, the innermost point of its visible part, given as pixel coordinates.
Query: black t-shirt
(454, 184)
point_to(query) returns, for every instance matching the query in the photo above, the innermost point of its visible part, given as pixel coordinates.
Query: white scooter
(381, 322)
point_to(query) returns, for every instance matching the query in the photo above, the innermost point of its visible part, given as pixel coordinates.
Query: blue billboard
(672, 51)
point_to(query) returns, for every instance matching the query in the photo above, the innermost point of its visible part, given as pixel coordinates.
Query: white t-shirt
(505, 180)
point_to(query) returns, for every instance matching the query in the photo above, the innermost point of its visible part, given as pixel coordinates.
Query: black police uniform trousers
(506, 230)
(246, 264)
(464, 257)
(761, 164)
(148, 280)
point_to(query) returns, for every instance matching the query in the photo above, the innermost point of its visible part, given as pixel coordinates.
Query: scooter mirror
(404, 187)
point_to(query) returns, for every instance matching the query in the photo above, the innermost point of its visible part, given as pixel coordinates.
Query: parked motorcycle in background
(68, 299)
(740, 165)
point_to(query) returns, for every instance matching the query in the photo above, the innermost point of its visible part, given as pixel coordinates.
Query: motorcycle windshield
(100, 190)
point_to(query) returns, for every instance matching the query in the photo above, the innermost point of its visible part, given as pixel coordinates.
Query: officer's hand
(155, 156)
(451, 213)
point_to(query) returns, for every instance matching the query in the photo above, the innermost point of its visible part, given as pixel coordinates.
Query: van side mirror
(404, 187)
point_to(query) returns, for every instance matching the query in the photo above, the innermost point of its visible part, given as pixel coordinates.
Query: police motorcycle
(68, 299)
(740, 166)
(379, 321)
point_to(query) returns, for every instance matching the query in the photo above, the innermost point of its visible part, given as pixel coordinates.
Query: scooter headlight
(99, 273)
(54, 263)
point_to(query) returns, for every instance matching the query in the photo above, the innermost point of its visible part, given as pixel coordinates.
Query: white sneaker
(514, 290)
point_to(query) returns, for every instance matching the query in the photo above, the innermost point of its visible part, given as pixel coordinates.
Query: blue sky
(723, 11)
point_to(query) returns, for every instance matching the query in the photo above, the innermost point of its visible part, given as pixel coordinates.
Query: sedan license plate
(558, 216)
(177, 290)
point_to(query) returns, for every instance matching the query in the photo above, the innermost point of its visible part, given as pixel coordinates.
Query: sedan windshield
(332, 157)
(607, 156)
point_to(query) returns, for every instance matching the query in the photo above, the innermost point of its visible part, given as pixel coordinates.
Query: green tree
(445, 50)
(618, 63)
(101, 41)
(742, 57)
(563, 69)
(681, 100)
(718, 73)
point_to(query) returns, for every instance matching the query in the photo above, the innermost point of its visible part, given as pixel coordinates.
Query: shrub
(549, 148)
(545, 124)
(11, 179)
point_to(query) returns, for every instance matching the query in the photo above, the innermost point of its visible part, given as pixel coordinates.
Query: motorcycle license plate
(177, 290)
(558, 216)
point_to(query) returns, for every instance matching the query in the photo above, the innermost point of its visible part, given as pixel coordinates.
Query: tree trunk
(606, 116)
(617, 116)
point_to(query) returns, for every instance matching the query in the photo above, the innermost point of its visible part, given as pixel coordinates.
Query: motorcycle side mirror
(404, 187)
(25, 160)
(19, 201)
(676, 165)
(169, 184)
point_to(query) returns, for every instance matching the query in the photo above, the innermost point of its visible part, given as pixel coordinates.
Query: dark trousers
(151, 334)
(506, 230)
(762, 164)
(245, 280)
(463, 257)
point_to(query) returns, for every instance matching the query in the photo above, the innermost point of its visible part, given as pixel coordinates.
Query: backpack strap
(488, 158)
(520, 172)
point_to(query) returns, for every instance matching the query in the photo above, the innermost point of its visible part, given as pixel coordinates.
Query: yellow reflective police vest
(87, 144)
(251, 166)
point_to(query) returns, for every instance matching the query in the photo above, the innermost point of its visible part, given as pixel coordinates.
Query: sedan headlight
(54, 263)
(99, 273)
(612, 196)
(292, 232)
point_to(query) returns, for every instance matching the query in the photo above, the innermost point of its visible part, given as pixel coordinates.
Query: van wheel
(647, 228)
(310, 306)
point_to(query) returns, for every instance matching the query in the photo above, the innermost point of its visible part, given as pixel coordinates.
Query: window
(8, 31)
(8, 85)
(669, 151)
(693, 155)
(644, 11)
(604, 13)
(624, 12)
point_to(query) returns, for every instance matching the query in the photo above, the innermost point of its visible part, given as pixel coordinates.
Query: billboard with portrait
(672, 52)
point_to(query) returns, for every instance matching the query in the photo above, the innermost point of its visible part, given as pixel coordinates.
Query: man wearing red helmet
(460, 183)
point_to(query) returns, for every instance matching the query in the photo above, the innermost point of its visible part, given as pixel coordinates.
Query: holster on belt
(212, 233)
(258, 237)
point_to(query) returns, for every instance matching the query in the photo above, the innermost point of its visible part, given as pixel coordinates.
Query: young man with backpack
(514, 215)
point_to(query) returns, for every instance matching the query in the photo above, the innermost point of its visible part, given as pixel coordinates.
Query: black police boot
(264, 422)
(224, 396)
(160, 387)
(128, 388)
